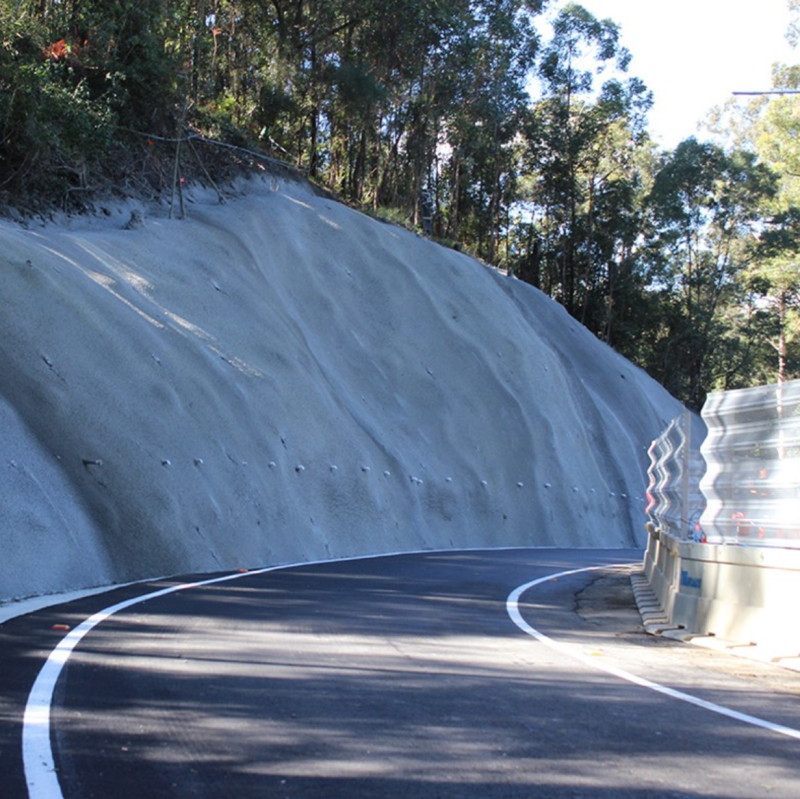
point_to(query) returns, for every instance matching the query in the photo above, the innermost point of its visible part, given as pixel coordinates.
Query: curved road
(479, 673)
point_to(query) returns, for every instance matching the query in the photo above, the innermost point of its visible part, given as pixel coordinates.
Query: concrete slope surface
(281, 378)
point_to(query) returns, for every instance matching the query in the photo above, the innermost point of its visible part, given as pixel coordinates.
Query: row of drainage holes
(417, 480)
(299, 468)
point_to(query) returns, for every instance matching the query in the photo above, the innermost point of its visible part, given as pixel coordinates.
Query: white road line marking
(37, 752)
(512, 607)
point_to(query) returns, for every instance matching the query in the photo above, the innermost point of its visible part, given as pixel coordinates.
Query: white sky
(693, 54)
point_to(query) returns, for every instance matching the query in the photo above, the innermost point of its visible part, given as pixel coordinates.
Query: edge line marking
(38, 763)
(37, 752)
(512, 608)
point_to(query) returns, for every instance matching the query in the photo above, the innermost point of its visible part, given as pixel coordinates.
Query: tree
(775, 277)
(705, 206)
(581, 147)
(768, 126)
(480, 130)
(59, 99)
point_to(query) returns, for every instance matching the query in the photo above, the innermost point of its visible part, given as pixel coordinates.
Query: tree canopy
(467, 120)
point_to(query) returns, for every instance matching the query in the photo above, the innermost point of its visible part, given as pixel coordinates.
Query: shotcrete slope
(281, 378)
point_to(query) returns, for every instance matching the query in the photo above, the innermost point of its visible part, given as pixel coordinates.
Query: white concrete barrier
(746, 595)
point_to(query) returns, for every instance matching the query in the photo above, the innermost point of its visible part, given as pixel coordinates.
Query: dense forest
(526, 147)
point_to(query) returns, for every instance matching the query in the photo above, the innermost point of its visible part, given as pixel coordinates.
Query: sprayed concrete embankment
(281, 378)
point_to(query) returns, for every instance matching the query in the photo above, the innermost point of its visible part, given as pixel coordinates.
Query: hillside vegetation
(421, 111)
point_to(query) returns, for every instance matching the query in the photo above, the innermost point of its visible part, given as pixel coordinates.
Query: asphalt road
(403, 676)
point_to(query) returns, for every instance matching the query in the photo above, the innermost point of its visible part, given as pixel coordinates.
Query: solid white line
(11, 609)
(37, 752)
(512, 606)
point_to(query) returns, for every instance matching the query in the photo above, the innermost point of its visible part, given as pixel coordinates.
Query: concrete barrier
(745, 595)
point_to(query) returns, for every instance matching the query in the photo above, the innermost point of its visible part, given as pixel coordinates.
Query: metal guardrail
(674, 500)
(742, 582)
(745, 489)
(752, 452)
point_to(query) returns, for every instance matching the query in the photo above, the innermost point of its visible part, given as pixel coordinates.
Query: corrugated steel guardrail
(674, 500)
(752, 454)
(736, 573)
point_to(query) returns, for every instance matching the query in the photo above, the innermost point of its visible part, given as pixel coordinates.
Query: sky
(693, 54)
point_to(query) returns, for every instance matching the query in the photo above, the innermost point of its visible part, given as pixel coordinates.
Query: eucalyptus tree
(392, 92)
(488, 105)
(773, 132)
(425, 98)
(774, 277)
(767, 125)
(706, 206)
(775, 273)
(581, 154)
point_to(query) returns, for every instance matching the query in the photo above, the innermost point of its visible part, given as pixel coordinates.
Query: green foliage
(707, 206)
(586, 190)
(52, 130)
(274, 105)
(685, 261)
(393, 216)
(71, 76)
